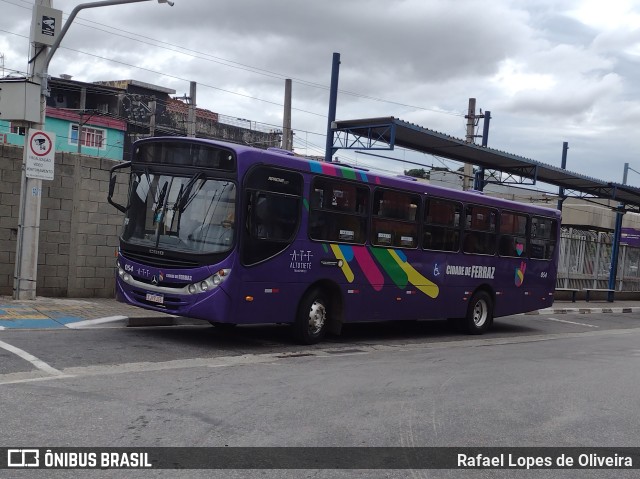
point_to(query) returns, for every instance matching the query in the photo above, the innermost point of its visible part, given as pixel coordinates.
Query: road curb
(585, 311)
(164, 321)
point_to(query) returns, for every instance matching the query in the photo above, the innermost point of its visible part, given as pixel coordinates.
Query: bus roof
(248, 155)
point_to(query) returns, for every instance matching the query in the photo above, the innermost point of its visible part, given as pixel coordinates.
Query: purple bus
(237, 235)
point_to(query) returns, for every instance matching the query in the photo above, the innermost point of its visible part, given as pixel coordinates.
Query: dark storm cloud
(546, 75)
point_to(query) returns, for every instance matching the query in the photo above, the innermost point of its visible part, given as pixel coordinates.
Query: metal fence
(585, 261)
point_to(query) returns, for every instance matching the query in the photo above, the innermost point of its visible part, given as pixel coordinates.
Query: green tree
(417, 173)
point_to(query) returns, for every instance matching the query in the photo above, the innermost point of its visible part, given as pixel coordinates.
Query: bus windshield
(189, 214)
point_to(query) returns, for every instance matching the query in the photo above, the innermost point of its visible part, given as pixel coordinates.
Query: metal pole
(152, 116)
(287, 140)
(83, 105)
(191, 120)
(479, 176)
(561, 197)
(615, 247)
(333, 100)
(471, 124)
(28, 238)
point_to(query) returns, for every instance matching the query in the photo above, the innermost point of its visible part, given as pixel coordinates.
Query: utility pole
(191, 120)
(83, 105)
(333, 100)
(287, 139)
(152, 117)
(28, 238)
(471, 125)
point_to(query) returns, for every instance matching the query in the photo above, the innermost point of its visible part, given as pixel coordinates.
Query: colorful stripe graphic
(368, 267)
(394, 264)
(391, 267)
(415, 278)
(346, 269)
(330, 169)
(520, 274)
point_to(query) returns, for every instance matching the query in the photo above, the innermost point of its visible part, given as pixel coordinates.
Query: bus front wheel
(479, 314)
(312, 318)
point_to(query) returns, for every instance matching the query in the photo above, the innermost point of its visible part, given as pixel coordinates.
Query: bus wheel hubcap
(479, 313)
(317, 317)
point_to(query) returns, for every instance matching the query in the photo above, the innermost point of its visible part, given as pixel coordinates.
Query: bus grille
(158, 262)
(177, 285)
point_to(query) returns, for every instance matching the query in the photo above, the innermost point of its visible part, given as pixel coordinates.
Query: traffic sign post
(26, 266)
(36, 165)
(39, 149)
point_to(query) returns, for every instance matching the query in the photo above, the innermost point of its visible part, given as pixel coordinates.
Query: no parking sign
(40, 154)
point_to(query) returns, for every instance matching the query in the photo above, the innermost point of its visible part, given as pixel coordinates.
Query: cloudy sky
(548, 70)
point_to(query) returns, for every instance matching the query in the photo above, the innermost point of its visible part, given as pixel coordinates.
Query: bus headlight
(124, 276)
(210, 283)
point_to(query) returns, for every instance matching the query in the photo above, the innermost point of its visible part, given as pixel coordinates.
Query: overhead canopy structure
(387, 132)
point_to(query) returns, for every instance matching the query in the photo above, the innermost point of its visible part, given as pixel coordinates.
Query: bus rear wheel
(312, 318)
(479, 314)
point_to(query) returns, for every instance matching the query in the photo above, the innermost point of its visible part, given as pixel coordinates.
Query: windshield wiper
(184, 196)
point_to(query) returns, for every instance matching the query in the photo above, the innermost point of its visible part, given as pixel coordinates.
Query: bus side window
(507, 246)
(273, 200)
(513, 234)
(272, 216)
(338, 211)
(442, 225)
(481, 233)
(394, 222)
(471, 244)
(543, 237)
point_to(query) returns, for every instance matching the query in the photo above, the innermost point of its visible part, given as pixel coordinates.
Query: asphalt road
(569, 381)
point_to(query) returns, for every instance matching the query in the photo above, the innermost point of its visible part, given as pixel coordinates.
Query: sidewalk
(45, 313)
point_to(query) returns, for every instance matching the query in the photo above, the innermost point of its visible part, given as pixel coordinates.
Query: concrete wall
(78, 228)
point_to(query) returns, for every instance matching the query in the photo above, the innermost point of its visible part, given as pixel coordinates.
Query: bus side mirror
(112, 186)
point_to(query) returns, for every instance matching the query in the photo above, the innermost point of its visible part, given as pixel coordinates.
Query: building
(84, 118)
(103, 119)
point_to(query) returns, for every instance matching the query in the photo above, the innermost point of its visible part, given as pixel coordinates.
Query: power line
(229, 63)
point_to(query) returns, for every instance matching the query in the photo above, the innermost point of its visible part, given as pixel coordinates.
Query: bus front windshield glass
(191, 214)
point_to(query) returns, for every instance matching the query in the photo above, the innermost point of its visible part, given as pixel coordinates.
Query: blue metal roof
(388, 132)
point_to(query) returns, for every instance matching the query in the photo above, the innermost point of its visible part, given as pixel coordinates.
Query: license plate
(155, 298)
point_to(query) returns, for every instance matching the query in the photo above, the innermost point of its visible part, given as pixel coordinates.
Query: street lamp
(26, 262)
(63, 32)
